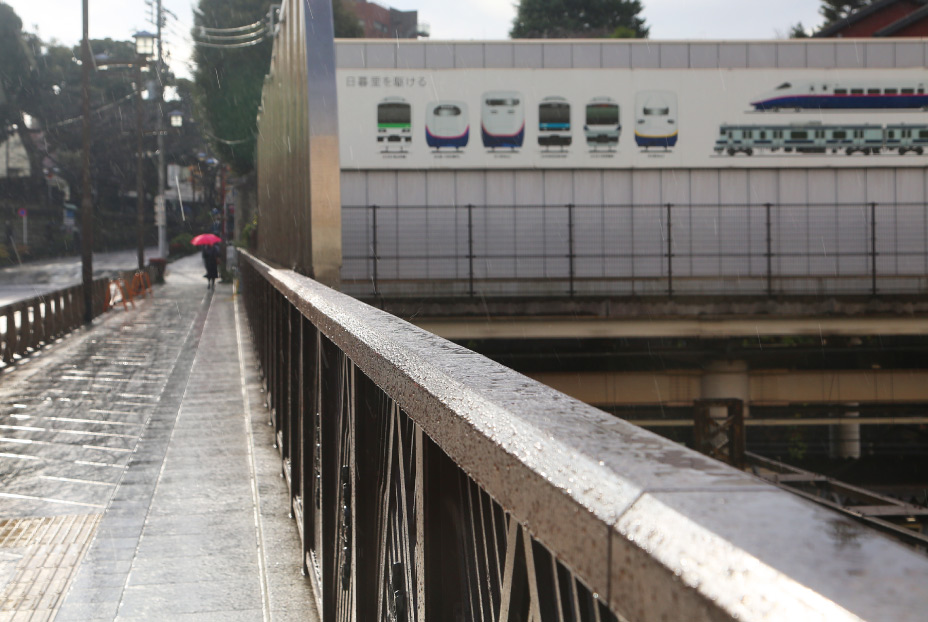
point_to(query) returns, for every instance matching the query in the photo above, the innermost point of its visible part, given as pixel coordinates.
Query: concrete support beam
(764, 387)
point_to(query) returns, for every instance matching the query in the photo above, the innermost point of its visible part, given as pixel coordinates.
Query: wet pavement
(138, 480)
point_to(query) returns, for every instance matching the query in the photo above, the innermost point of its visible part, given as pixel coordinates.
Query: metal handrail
(582, 507)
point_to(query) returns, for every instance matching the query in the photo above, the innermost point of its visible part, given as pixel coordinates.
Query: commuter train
(554, 122)
(394, 122)
(818, 138)
(843, 95)
(656, 119)
(446, 124)
(502, 119)
(603, 122)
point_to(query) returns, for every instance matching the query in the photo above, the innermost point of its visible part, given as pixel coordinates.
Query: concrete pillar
(845, 437)
(726, 380)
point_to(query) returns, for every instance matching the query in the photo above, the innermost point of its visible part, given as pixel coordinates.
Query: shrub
(180, 245)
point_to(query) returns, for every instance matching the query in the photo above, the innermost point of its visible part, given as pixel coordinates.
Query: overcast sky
(480, 19)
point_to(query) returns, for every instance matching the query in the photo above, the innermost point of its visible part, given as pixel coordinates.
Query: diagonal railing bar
(452, 488)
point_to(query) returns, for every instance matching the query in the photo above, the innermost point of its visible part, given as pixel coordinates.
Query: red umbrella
(206, 239)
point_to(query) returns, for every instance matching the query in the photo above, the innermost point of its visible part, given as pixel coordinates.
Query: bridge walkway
(138, 478)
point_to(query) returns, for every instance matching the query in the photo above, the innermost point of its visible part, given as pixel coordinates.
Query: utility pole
(159, 85)
(86, 200)
(139, 187)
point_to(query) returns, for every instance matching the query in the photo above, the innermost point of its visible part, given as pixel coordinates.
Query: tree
(346, 22)
(835, 10)
(229, 80)
(558, 19)
(798, 31)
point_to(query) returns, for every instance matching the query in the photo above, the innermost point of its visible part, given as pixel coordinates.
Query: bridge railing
(430, 483)
(626, 250)
(31, 323)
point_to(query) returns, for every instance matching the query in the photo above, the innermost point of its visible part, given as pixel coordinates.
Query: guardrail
(27, 325)
(768, 249)
(430, 483)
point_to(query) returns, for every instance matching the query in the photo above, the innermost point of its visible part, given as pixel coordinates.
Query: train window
(447, 110)
(839, 134)
(840, 91)
(907, 91)
(502, 102)
(662, 112)
(820, 133)
(873, 91)
(858, 133)
(763, 134)
(800, 134)
(857, 91)
(921, 90)
(890, 91)
(748, 134)
(923, 133)
(778, 133)
(785, 85)
(891, 134)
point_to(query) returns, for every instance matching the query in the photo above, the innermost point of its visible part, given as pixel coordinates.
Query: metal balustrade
(766, 249)
(430, 484)
(31, 323)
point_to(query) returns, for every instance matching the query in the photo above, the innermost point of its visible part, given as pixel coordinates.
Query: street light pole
(139, 188)
(162, 241)
(86, 200)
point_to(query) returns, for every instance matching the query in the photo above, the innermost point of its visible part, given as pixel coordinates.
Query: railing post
(470, 248)
(570, 244)
(669, 253)
(873, 249)
(769, 253)
(374, 244)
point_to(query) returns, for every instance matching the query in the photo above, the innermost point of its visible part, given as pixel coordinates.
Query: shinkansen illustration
(603, 124)
(815, 137)
(502, 119)
(843, 95)
(554, 122)
(446, 124)
(394, 122)
(656, 119)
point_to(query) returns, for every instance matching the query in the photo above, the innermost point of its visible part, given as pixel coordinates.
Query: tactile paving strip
(49, 550)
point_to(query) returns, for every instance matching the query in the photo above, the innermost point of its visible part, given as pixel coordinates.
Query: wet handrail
(654, 530)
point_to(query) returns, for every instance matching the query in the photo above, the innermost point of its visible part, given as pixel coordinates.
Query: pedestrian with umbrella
(210, 244)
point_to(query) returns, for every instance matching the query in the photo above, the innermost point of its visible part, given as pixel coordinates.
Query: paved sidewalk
(138, 480)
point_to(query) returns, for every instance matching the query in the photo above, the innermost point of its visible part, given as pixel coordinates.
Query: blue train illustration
(842, 95)
(815, 137)
(554, 122)
(656, 119)
(502, 119)
(446, 124)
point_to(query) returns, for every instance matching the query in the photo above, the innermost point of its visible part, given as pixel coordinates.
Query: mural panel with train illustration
(632, 118)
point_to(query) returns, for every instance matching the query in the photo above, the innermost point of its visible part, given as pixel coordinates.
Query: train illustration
(815, 137)
(554, 122)
(603, 124)
(842, 95)
(446, 124)
(502, 119)
(656, 119)
(394, 122)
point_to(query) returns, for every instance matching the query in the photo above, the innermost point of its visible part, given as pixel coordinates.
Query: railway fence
(769, 249)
